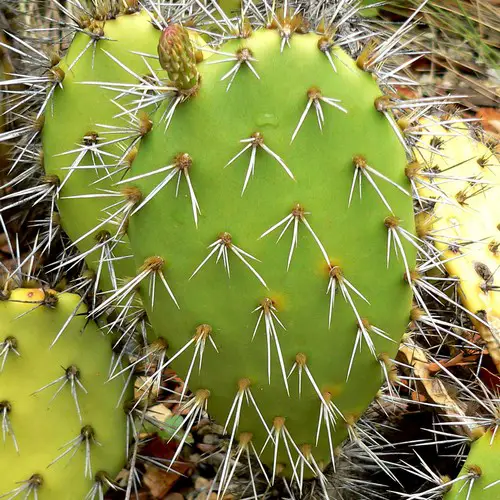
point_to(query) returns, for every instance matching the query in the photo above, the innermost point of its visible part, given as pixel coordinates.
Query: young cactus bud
(177, 57)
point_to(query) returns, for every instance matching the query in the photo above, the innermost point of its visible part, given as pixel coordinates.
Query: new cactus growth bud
(177, 57)
(59, 417)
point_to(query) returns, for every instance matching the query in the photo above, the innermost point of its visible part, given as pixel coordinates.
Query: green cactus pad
(307, 180)
(75, 113)
(40, 427)
(481, 471)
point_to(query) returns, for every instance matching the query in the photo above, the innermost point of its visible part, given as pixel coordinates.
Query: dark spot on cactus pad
(483, 271)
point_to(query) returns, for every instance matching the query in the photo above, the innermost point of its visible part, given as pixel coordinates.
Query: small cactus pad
(62, 433)
(479, 478)
(268, 139)
(462, 176)
(81, 128)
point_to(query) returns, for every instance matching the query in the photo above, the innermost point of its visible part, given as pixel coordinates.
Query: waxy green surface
(484, 459)
(89, 102)
(209, 128)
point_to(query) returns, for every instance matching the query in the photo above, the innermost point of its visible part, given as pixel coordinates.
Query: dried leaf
(490, 119)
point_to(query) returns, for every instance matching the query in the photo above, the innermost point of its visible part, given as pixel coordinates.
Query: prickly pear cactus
(265, 197)
(479, 478)
(81, 129)
(279, 289)
(89, 137)
(63, 436)
(460, 175)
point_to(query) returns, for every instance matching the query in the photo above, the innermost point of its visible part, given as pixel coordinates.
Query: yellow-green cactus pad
(62, 433)
(461, 176)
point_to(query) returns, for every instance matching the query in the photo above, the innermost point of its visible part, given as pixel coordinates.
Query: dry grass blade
(463, 40)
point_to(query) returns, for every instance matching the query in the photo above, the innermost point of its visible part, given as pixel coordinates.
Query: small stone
(141, 387)
(211, 439)
(202, 484)
(210, 428)
(203, 427)
(159, 412)
(206, 448)
(205, 470)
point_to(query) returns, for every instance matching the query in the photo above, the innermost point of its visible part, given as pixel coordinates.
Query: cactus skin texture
(76, 111)
(203, 136)
(84, 111)
(43, 427)
(481, 471)
(468, 213)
